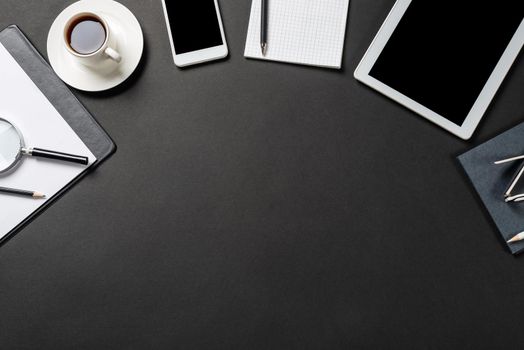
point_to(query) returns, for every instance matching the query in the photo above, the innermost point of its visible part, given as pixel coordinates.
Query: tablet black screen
(442, 52)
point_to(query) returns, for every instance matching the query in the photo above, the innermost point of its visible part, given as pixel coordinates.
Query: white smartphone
(195, 30)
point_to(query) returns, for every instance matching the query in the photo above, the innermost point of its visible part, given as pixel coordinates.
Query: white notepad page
(307, 32)
(23, 104)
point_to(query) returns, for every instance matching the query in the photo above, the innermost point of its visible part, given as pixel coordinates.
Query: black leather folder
(73, 112)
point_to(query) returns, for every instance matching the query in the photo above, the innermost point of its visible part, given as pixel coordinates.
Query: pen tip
(264, 49)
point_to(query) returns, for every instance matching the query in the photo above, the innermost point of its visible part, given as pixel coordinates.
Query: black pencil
(35, 195)
(263, 27)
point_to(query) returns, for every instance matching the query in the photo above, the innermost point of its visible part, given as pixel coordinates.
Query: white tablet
(445, 60)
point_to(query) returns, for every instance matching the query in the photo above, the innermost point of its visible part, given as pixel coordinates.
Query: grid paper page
(307, 32)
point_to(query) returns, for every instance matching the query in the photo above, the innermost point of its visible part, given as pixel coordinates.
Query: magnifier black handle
(71, 158)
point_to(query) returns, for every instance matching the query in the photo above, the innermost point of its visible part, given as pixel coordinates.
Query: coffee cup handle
(113, 54)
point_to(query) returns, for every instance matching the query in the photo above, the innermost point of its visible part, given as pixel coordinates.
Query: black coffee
(86, 35)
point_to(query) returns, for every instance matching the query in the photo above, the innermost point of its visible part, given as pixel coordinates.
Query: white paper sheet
(307, 32)
(24, 105)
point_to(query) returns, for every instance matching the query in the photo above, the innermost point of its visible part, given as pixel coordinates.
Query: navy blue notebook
(491, 181)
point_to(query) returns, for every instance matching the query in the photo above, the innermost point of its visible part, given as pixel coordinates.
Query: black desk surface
(262, 205)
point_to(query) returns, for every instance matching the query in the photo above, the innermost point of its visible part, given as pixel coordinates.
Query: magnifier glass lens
(9, 145)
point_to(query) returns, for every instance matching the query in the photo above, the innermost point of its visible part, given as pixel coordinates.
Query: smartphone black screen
(194, 24)
(442, 53)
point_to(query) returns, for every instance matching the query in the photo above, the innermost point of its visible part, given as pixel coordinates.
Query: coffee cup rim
(66, 32)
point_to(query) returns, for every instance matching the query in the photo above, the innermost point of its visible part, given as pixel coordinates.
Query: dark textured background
(262, 205)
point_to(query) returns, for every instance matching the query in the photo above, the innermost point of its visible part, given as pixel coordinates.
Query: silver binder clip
(508, 196)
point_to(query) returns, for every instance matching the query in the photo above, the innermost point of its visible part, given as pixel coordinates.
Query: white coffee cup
(106, 50)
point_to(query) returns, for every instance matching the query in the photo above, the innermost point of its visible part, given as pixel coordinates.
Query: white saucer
(130, 44)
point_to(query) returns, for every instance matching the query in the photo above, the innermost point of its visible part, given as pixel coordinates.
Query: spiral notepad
(307, 32)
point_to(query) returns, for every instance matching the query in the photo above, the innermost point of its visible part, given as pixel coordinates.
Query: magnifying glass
(13, 149)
